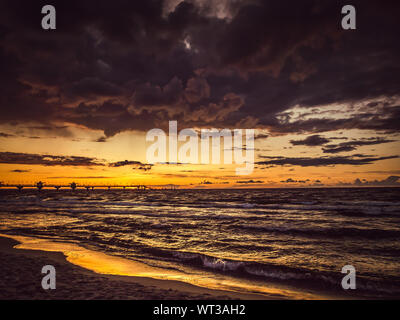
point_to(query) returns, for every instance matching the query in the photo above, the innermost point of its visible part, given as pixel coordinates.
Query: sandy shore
(20, 278)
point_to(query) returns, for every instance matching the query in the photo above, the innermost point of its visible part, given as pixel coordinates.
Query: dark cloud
(353, 145)
(55, 130)
(261, 136)
(392, 181)
(146, 167)
(149, 96)
(81, 177)
(251, 181)
(197, 89)
(206, 182)
(101, 139)
(126, 163)
(255, 41)
(5, 135)
(20, 171)
(134, 65)
(52, 160)
(323, 161)
(47, 128)
(311, 141)
(171, 163)
(380, 172)
(339, 149)
(92, 87)
(47, 160)
(136, 165)
(290, 180)
(383, 119)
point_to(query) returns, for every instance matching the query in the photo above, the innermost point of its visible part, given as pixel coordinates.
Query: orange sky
(132, 146)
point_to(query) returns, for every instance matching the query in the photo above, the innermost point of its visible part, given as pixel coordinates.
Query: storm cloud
(311, 141)
(353, 145)
(134, 65)
(55, 160)
(47, 160)
(322, 161)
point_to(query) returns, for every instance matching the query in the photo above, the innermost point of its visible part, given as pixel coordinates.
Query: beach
(20, 279)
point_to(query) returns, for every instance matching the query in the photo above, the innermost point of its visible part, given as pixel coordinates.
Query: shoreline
(20, 278)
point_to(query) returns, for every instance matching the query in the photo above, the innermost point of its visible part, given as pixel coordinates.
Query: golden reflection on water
(111, 265)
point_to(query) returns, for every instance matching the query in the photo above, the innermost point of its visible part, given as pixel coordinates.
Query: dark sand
(20, 278)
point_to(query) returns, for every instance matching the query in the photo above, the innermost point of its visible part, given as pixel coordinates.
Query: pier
(72, 186)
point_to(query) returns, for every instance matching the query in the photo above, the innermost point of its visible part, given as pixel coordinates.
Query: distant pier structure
(40, 185)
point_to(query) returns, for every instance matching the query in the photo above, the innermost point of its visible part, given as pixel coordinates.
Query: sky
(77, 102)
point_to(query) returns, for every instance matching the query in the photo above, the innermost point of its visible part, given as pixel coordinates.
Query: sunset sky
(76, 102)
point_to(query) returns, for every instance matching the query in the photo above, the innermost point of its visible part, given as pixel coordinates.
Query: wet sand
(20, 278)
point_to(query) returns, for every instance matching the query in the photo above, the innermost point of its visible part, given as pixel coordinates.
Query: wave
(284, 273)
(367, 209)
(256, 206)
(370, 233)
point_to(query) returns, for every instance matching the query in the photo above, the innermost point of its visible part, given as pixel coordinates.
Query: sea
(290, 242)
